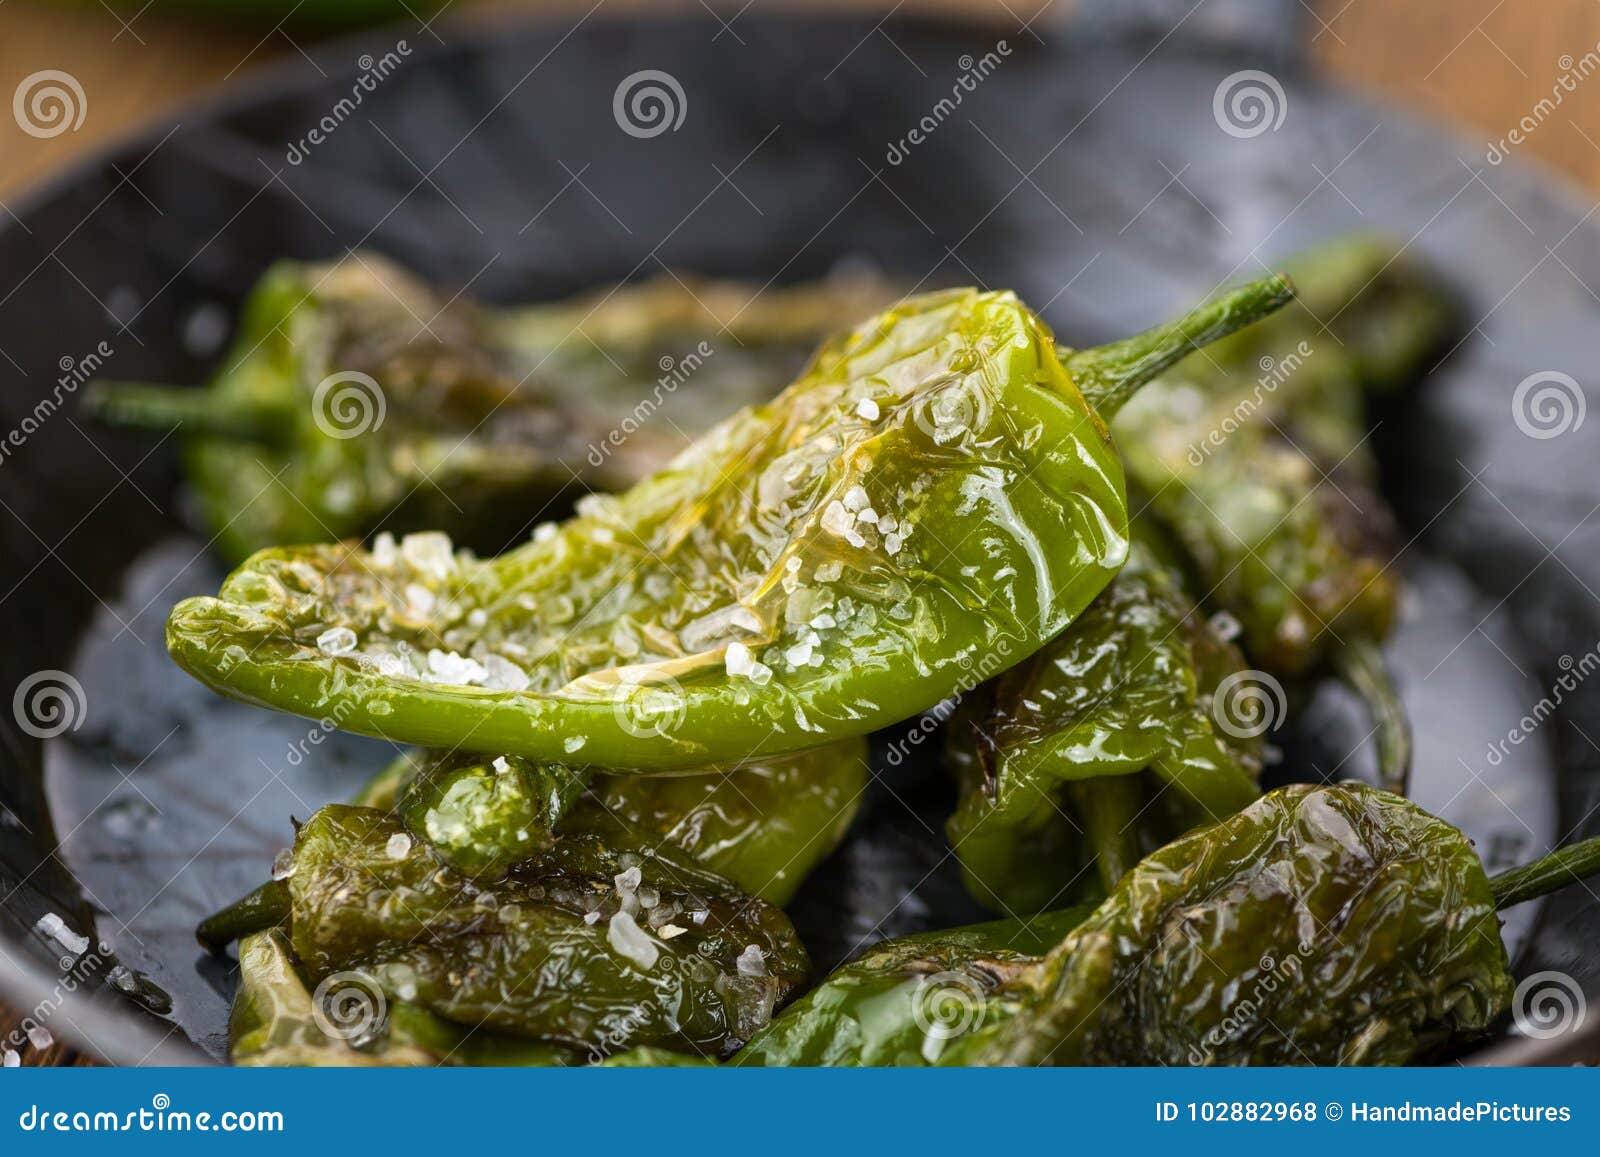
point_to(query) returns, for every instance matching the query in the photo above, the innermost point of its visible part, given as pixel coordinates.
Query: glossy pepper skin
(356, 397)
(669, 955)
(1255, 458)
(482, 816)
(1333, 925)
(934, 488)
(277, 1021)
(1099, 748)
(763, 826)
(904, 1001)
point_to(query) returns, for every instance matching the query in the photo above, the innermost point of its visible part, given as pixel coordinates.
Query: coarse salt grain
(56, 929)
(751, 962)
(738, 659)
(337, 641)
(398, 847)
(631, 941)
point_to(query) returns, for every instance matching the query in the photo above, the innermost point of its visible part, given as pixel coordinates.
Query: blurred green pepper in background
(1254, 455)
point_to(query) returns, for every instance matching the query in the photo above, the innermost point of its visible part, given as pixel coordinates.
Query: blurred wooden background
(1483, 65)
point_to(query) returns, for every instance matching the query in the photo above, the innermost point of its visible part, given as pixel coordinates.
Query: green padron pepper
(937, 487)
(277, 1020)
(764, 826)
(357, 397)
(1319, 926)
(1099, 748)
(1255, 457)
(902, 1001)
(600, 942)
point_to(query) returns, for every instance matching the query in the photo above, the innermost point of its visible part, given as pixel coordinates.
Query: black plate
(1092, 176)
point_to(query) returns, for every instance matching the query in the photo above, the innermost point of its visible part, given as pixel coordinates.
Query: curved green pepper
(599, 943)
(1099, 748)
(278, 1021)
(764, 826)
(904, 1001)
(1255, 457)
(1321, 925)
(935, 488)
(358, 397)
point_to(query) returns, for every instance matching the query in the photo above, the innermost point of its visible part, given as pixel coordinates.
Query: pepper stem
(1109, 808)
(1360, 665)
(1561, 867)
(1109, 375)
(196, 411)
(266, 907)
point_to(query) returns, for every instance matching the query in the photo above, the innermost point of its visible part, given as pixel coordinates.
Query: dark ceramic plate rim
(115, 1034)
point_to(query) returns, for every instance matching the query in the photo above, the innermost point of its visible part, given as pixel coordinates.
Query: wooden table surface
(1488, 66)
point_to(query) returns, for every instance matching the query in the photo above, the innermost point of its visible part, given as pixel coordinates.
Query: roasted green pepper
(903, 1001)
(358, 397)
(598, 943)
(936, 488)
(278, 1020)
(1321, 925)
(1254, 456)
(1099, 748)
(763, 826)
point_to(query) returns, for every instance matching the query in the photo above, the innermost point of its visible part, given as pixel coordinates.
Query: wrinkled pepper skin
(904, 1001)
(933, 490)
(275, 1023)
(1099, 748)
(1254, 455)
(671, 955)
(764, 826)
(479, 418)
(1333, 925)
(482, 816)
